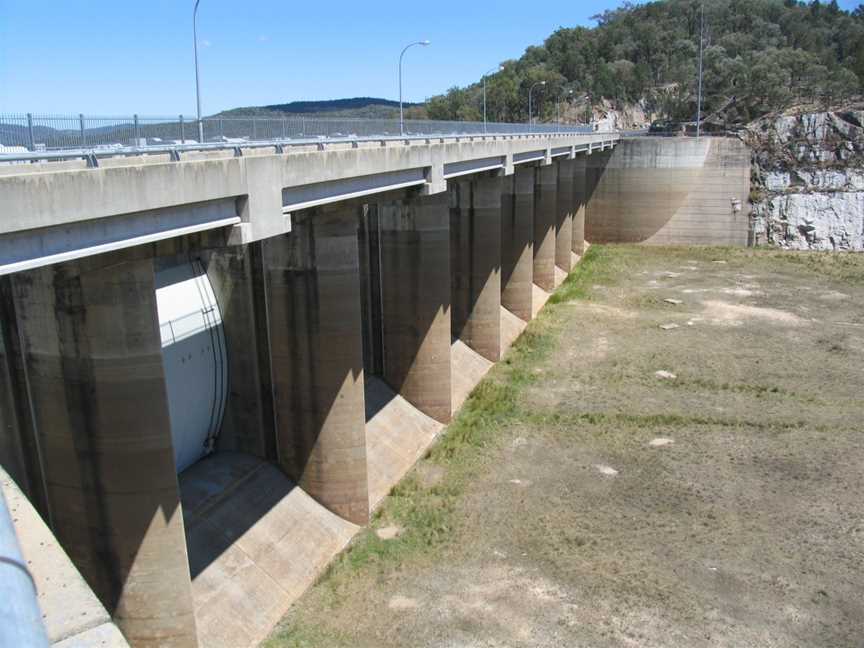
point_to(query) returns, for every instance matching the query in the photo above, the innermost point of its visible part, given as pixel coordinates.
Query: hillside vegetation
(760, 56)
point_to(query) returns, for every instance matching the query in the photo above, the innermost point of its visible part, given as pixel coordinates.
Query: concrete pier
(94, 364)
(236, 274)
(313, 285)
(545, 210)
(475, 264)
(415, 301)
(517, 246)
(579, 201)
(564, 216)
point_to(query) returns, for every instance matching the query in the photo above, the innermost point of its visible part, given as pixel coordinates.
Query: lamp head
(425, 42)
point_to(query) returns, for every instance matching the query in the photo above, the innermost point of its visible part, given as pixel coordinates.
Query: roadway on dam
(670, 456)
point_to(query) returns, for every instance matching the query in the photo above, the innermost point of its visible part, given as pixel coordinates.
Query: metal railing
(20, 617)
(28, 132)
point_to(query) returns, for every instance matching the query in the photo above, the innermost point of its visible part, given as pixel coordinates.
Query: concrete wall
(308, 445)
(662, 191)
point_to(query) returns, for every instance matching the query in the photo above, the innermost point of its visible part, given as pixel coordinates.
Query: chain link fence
(32, 132)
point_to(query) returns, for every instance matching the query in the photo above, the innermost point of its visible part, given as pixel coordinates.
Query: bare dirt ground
(615, 483)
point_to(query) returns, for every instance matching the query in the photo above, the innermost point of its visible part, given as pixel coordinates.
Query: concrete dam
(217, 363)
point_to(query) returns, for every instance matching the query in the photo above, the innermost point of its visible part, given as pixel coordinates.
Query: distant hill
(367, 107)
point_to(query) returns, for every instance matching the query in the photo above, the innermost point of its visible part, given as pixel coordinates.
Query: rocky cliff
(808, 180)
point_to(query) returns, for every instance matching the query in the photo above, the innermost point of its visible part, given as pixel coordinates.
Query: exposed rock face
(808, 180)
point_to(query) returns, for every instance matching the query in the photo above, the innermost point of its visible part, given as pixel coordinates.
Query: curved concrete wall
(667, 191)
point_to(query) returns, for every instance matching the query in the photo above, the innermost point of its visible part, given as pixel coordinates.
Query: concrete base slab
(560, 275)
(467, 369)
(72, 614)
(256, 542)
(511, 329)
(538, 300)
(574, 259)
(106, 635)
(397, 435)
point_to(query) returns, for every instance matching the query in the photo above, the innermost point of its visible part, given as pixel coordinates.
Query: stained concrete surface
(397, 434)
(72, 614)
(539, 297)
(467, 369)
(256, 542)
(511, 329)
(619, 508)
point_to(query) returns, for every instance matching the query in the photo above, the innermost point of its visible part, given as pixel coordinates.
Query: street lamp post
(197, 77)
(424, 43)
(530, 104)
(493, 70)
(701, 51)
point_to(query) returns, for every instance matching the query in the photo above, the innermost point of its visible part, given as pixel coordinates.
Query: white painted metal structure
(194, 357)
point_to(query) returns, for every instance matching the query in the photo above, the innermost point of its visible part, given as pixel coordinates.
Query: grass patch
(300, 635)
(597, 266)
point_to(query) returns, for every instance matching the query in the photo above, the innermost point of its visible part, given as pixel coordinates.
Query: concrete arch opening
(194, 357)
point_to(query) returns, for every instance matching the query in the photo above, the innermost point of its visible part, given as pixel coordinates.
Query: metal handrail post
(30, 135)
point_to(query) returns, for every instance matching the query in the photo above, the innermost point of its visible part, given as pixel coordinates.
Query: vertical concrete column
(414, 249)
(545, 208)
(237, 276)
(517, 247)
(19, 446)
(564, 220)
(90, 335)
(313, 290)
(475, 264)
(579, 199)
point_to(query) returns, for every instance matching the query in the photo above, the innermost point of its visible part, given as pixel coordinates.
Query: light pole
(197, 78)
(558, 107)
(424, 43)
(493, 70)
(530, 105)
(701, 50)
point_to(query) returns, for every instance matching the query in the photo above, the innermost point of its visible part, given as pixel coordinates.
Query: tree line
(759, 56)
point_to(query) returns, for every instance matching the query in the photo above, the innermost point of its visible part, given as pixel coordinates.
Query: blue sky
(125, 56)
